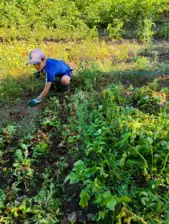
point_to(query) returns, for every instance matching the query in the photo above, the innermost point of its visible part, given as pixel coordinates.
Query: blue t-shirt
(54, 68)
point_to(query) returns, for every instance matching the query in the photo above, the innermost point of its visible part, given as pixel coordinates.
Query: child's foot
(66, 88)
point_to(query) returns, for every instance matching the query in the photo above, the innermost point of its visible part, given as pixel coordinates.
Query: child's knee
(65, 80)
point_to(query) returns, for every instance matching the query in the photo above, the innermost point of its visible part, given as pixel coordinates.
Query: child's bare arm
(45, 91)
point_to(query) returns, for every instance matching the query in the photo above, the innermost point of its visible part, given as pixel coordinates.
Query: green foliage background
(78, 19)
(117, 137)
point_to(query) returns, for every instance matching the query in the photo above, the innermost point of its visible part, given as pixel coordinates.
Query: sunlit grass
(106, 57)
(14, 54)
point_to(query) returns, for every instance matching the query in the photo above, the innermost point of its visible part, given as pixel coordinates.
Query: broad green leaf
(122, 161)
(79, 165)
(149, 140)
(167, 179)
(99, 199)
(1, 143)
(91, 171)
(159, 206)
(102, 173)
(107, 194)
(41, 195)
(111, 203)
(96, 185)
(84, 198)
(101, 215)
(43, 145)
(2, 199)
(126, 199)
(143, 193)
(74, 179)
(144, 200)
(18, 155)
(24, 146)
(67, 178)
(40, 150)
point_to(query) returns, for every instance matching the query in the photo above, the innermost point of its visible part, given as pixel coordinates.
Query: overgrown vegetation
(118, 139)
(83, 19)
(98, 154)
(125, 170)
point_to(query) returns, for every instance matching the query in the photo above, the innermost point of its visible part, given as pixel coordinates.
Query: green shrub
(145, 30)
(115, 29)
(125, 165)
(164, 31)
(78, 19)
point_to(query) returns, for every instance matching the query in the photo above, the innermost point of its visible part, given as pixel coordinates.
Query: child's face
(41, 65)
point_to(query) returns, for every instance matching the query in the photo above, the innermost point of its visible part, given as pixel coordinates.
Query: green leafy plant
(164, 31)
(40, 150)
(9, 132)
(145, 30)
(2, 200)
(142, 63)
(124, 147)
(115, 29)
(22, 165)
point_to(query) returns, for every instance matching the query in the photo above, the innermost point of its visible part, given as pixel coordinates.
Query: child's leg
(65, 80)
(55, 84)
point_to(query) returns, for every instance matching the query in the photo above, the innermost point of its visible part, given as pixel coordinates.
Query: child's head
(37, 58)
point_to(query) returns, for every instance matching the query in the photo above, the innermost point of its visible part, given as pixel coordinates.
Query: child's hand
(37, 74)
(34, 102)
